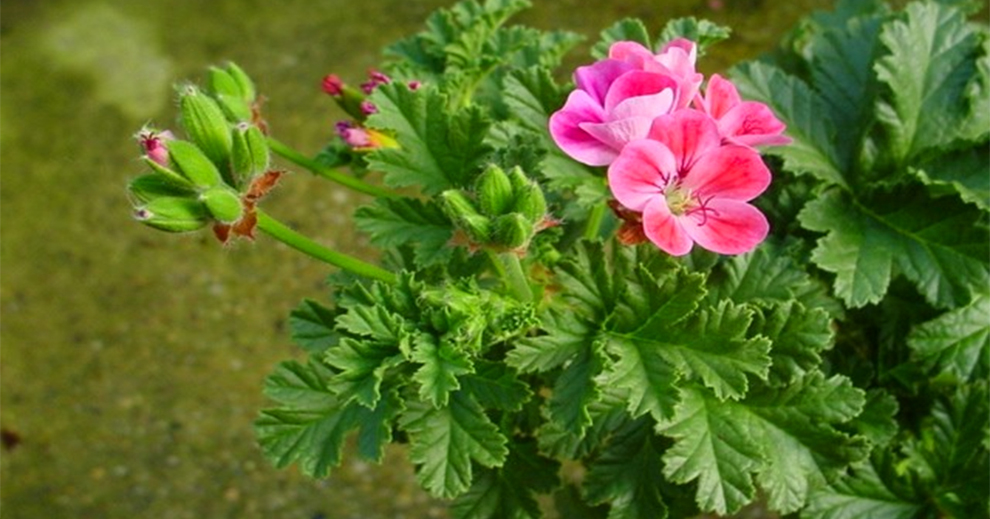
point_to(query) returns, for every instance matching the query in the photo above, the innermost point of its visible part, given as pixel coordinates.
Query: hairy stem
(327, 173)
(284, 234)
(514, 277)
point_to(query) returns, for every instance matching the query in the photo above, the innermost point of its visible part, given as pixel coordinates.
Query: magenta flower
(747, 123)
(617, 99)
(153, 144)
(691, 188)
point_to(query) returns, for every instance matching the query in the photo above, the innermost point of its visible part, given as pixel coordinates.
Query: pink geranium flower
(617, 98)
(748, 123)
(690, 188)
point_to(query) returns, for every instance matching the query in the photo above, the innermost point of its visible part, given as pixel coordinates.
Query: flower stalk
(347, 181)
(286, 235)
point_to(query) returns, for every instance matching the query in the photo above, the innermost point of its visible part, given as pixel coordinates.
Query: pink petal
(666, 230)
(630, 52)
(728, 172)
(640, 173)
(565, 128)
(688, 134)
(634, 84)
(645, 106)
(597, 78)
(726, 226)
(616, 134)
(720, 96)
(752, 124)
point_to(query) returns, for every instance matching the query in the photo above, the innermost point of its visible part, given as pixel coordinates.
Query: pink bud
(375, 78)
(333, 85)
(368, 108)
(414, 85)
(153, 145)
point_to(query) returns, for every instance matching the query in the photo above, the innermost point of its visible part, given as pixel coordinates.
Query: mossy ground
(132, 361)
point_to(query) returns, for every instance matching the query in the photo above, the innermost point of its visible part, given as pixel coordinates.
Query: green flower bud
(173, 214)
(528, 199)
(461, 210)
(167, 172)
(205, 123)
(512, 231)
(155, 185)
(494, 191)
(249, 154)
(227, 92)
(193, 164)
(223, 204)
(244, 83)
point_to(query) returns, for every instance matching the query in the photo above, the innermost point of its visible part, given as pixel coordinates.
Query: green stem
(284, 234)
(514, 277)
(335, 176)
(594, 224)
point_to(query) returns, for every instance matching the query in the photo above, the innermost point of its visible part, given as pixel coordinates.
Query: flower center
(682, 202)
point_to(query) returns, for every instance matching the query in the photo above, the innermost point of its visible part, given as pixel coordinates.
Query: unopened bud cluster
(354, 101)
(503, 213)
(205, 179)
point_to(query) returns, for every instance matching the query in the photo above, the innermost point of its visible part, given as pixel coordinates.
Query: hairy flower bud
(205, 123)
(512, 231)
(155, 185)
(173, 214)
(461, 210)
(528, 196)
(228, 93)
(193, 164)
(223, 204)
(494, 191)
(249, 154)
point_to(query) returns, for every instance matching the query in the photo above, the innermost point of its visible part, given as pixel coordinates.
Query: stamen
(703, 207)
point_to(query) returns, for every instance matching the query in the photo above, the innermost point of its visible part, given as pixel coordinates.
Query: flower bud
(206, 124)
(228, 93)
(193, 164)
(155, 185)
(494, 191)
(348, 98)
(249, 152)
(153, 144)
(223, 204)
(244, 82)
(512, 231)
(529, 199)
(461, 210)
(173, 214)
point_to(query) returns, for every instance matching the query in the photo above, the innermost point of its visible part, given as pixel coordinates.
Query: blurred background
(132, 361)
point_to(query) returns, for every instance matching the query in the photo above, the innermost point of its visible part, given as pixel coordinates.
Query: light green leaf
(803, 111)
(862, 495)
(444, 442)
(532, 95)
(937, 244)
(362, 365)
(394, 222)
(566, 336)
(799, 335)
(439, 147)
(311, 326)
(929, 64)
(496, 386)
(957, 342)
(441, 365)
(963, 171)
(702, 32)
(628, 474)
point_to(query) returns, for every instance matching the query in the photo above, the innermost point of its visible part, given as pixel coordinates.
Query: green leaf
(311, 424)
(799, 336)
(508, 492)
(711, 344)
(394, 222)
(842, 72)
(532, 95)
(929, 64)
(702, 32)
(311, 326)
(785, 436)
(439, 147)
(441, 365)
(963, 171)
(628, 474)
(445, 440)
(937, 244)
(865, 494)
(566, 336)
(803, 111)
(496, 386)
(628, 29)
(362, 366)
(957, 342)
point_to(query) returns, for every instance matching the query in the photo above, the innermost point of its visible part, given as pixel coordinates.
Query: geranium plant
(643, 291)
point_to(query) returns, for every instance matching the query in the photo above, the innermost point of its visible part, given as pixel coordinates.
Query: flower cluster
(354, 101)
(681, 159)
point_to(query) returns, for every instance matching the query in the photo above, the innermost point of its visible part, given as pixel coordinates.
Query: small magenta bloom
(333, 85)
(617, 98)
(690, 188)
(153, 144)
(748, 123)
